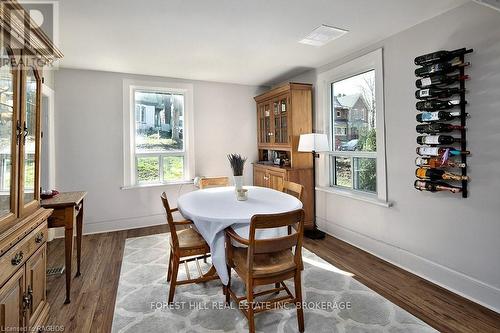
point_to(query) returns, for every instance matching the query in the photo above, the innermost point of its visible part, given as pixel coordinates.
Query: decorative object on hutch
(23, 223)
(283, 114)
(314, 143)
(441, 77)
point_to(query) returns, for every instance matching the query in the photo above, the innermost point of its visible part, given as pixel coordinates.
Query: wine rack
(444, 83)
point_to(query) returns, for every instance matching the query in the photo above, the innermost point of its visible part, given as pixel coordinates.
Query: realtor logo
(37, 16)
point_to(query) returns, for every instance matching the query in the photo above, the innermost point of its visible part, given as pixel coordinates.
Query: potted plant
(237, 164)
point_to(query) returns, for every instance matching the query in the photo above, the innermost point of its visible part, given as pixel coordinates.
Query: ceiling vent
(495, 4)
(322, 35)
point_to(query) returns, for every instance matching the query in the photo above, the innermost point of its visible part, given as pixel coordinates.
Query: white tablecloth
(214, 209)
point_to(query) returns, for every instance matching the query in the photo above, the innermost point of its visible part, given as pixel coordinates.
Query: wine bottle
(425, 185)
(434, 162)
(436, 116)
(436, 140)
(440, 151)
(438, 80)
(433, 128)
(439, 56)
(436, 105)
(437, 93)
(440, 68)
(438, 174)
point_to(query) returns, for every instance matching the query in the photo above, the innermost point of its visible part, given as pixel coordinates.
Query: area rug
(333, 300)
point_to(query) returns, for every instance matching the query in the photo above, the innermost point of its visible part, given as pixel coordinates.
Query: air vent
(495, 4)
(322, 35)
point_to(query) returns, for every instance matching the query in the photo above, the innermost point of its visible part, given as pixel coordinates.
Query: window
(353, 97)
(340, 130)
(157, 142)
(355, 142)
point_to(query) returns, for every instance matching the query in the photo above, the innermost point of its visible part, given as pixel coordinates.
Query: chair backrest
(270, 245)
(214, 182)
(293, 189)
(170, 219)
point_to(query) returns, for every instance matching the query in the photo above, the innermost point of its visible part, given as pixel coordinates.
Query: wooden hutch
(283, 114)
(25, 49)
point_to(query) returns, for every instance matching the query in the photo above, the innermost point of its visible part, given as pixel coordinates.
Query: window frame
(362, 64)
(129, 131)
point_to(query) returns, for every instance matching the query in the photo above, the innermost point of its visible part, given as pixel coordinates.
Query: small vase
(238, 182)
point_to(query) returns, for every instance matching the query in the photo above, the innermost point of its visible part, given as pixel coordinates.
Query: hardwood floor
(438, 307)
(93, 294)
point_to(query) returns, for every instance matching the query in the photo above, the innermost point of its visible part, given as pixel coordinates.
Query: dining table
(212, 210)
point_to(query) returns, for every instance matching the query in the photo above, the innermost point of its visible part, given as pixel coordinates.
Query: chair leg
(173, 278)
(169, 273)
(228, 295)
(251, 323)
(298, 297)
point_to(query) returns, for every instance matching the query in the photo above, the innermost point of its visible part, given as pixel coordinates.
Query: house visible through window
(354, 136)
(159, 136)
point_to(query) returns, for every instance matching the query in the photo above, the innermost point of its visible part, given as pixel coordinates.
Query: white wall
(452, 241)
(89, 134)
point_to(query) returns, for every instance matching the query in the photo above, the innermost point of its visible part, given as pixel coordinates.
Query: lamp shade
(313, 142)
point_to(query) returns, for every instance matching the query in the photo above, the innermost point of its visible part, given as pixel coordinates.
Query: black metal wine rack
(463, 119)
(463, 131)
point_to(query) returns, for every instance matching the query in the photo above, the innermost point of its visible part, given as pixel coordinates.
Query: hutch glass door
(264, 123)
(30, 140)
(8, 138)
(280, 110)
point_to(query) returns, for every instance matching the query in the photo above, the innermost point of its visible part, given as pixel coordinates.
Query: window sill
(132, 187)
(355, 195)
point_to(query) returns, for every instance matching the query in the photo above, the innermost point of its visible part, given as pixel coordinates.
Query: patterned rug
(333, 300)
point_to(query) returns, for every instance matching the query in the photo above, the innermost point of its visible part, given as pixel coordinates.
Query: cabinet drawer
(17, 255)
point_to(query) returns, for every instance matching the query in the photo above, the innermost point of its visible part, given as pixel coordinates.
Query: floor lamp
(314, 143)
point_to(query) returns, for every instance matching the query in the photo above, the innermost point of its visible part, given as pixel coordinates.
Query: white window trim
(367, 62)
(129, 86)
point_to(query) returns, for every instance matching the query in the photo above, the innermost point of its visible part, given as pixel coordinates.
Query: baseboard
(117, 225)
(458, 283)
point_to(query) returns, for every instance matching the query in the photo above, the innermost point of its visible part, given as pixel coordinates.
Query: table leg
(79, 227)
(68, 255)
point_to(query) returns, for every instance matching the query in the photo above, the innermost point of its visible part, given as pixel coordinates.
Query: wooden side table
(68, 209)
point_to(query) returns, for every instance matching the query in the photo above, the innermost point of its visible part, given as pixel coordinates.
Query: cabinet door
(8, 137)
(29, 161)
(36, 283)
(259, 177)
(281, 120)
(11, 304)
(276, 180)
(264, 121)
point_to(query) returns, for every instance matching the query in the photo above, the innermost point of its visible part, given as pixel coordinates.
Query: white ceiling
(238, 41)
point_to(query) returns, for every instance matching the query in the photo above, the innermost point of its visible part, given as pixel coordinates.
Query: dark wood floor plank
(93, 294)
(106, 303)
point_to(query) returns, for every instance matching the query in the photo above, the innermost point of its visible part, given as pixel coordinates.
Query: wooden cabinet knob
(18, 258)
(39, 238)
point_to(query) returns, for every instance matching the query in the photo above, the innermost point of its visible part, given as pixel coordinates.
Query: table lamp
(314, 143)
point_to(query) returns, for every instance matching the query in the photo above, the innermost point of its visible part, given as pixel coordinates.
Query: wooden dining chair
(214, 182)
(293, 189)
(265, 262)
(186, 245)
